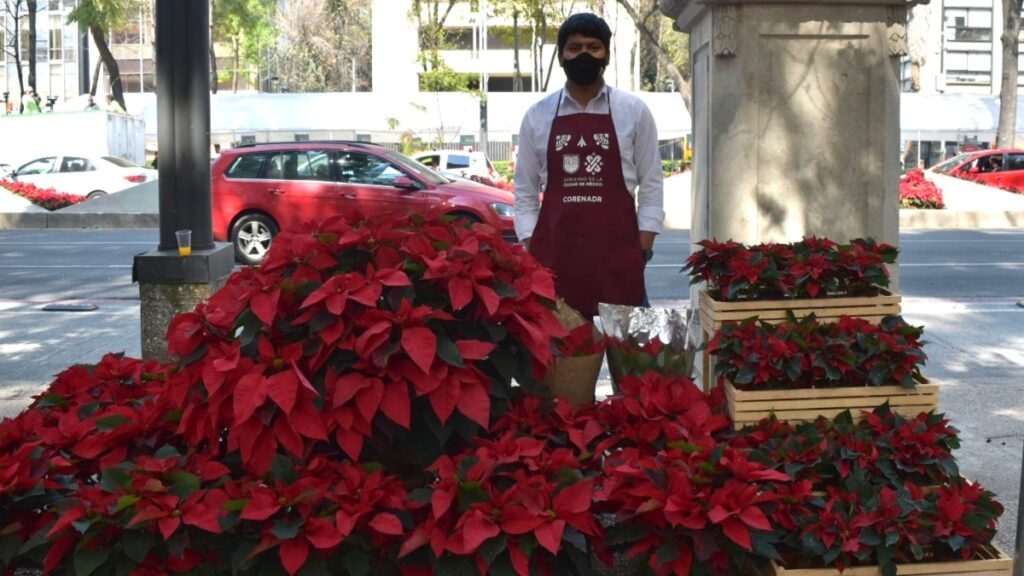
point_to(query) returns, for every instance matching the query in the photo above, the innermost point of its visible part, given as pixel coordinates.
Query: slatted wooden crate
(991, 561)
(714, 312)
(749, 407)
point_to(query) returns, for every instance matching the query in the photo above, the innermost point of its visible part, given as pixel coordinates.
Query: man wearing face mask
(593, 151)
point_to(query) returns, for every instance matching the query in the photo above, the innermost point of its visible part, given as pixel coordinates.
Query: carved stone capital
(896, 30)
(723, 29)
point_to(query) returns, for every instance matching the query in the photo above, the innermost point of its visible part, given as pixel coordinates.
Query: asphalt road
(963, 286)
(41, 266)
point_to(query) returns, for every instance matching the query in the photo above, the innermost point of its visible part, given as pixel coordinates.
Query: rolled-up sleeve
(527, 180)
(650, 209)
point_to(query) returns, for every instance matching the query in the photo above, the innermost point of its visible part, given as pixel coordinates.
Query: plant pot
(749, 407)
(991, 561)
(714, 312)
(575, 379)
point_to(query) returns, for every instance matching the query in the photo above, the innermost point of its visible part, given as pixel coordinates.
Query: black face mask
(584, 69)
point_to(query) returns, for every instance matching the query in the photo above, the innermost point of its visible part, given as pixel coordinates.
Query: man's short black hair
(587, 24)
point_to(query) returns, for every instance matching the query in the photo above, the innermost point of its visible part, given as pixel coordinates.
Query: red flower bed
(916, 191)
(43, 197)
(349, 408)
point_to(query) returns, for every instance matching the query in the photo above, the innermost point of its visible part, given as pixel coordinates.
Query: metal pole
(183, 118)
(142, 77)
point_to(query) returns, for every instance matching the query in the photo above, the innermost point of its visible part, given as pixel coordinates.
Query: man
(114, 105)
(593, 151)
(91, 104)
(29, 103)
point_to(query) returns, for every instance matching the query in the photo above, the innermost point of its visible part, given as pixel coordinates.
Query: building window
(130, 34)
(56, 39)
(968, 67)
(302, 137)
(968, 24)
(23, 46)
(54, 5)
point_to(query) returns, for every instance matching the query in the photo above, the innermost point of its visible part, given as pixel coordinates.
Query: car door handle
(276, 191)
(349, 196)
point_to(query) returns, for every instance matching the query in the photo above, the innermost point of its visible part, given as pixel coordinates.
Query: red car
(259, 189)
(1002, 168)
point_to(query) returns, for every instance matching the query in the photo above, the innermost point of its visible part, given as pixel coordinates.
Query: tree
(98, 16)
(668, 47)
(436, 76)
(13, 13)
(321, 43)
(1006, 134)
(245, 25)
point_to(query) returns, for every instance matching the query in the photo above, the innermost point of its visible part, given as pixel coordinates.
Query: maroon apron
(587, 229)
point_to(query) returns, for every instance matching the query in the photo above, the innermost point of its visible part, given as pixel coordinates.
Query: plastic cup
(184, 242)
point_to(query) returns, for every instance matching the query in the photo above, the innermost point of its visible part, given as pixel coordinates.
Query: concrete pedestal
(170, 284)
(796, 117)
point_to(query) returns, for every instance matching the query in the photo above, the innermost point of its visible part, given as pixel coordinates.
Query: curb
(43, 220)
(973, 219)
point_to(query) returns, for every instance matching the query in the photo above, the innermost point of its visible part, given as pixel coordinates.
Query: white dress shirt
(638, 145)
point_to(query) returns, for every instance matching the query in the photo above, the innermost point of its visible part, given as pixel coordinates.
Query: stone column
(169, 283)
(796, 117)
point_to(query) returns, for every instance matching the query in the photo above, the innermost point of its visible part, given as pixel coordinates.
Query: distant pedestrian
(114, 105)
(156, 160)
(29, 103)
(91, 104)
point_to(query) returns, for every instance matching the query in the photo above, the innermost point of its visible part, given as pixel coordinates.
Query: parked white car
(89, 176)
(472, 165)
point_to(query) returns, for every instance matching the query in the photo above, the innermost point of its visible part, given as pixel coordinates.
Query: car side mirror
(405, 183)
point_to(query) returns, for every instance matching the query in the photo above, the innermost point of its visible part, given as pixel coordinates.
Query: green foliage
(504, 167)
(105, 14)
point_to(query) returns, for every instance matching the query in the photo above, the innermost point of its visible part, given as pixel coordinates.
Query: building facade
(960, 41)
(482, 45)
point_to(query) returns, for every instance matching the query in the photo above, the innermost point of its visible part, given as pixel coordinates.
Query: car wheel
(252, 235)
(96, 194)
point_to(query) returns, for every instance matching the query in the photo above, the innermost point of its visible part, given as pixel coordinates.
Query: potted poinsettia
(573, 376)
(803, 368)
(773, 281)
(308, 397)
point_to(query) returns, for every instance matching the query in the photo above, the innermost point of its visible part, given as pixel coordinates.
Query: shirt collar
(602, 96)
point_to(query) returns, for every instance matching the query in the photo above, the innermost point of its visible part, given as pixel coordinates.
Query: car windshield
(419, 169)
(120, 162)
(951, 163)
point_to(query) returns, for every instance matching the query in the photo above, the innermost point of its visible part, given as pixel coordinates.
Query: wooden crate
(714, 312)
(991, 561)
(749, 407)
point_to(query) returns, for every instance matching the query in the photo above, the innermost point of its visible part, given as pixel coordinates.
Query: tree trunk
(1007, 131)
(95, 77)
(32, 42)
(517, 76)
(234, 74)
(683, 83)
(213, 54)
(16, 45)
(113, 71)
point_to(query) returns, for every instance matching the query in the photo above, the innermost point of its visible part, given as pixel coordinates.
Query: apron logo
(602, 140)
(593, 164)
(583, 142)
(560, 141)
(571, 163)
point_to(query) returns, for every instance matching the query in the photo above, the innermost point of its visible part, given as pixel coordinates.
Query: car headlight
(503, 210)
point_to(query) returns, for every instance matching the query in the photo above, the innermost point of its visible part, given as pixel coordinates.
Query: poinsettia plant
(810, 268)
(583, 340)
(806, 353)
(629, 356)
(43, 197)
(916, 191)
(882, 491)
(348, 408)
